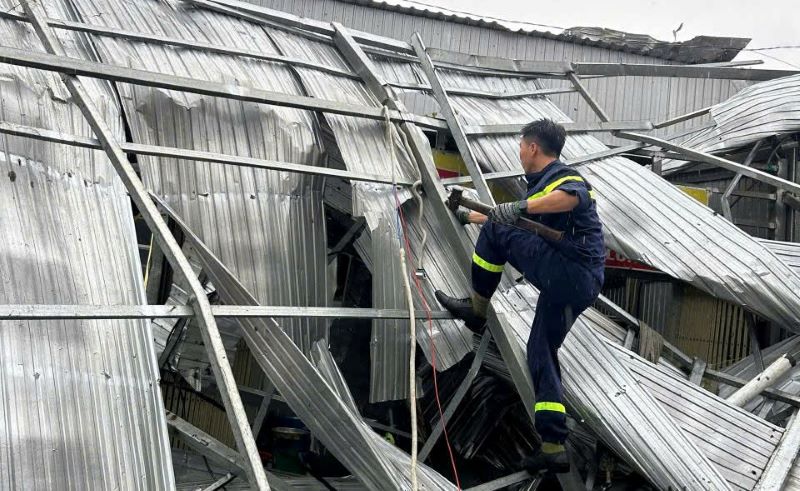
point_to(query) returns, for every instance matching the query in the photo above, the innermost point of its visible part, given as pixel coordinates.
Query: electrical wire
(405, 253)
(412, 361)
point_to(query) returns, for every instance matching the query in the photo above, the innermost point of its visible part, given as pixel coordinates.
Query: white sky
(767, 22)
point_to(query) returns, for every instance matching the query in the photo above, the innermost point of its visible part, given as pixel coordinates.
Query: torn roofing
(266, 225)
(79, 406)
(603, 392)
(700, 49)
(645, 217)
(307, 393)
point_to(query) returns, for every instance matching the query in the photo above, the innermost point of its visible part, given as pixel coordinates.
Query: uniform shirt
(583, 233)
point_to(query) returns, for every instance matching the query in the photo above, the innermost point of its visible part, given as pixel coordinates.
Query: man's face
(527, 151)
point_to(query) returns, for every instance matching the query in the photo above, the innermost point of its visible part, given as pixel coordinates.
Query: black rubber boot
(540, 462)
(462, 309)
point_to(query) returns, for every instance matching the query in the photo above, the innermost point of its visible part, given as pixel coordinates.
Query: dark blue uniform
(568, 275)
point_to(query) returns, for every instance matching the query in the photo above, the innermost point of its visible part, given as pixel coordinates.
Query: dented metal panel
(79, 400)
(268, 226)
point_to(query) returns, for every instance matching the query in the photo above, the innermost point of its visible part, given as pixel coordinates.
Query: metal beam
(454, 234)
(576, 161)
(208, 327)
(685, 71)
(505, 481)
(53, 312)
(459, 395)
(714, 160)
(452, 122)
(205, 444)
(508, 95)
(726, 204)
(698, 369)
(783, 458)
(221, 482)
(682, 118)
(113, 32)
(195, 155)
(588, 97)
(78, 67)
(514, 129)
(484, 64)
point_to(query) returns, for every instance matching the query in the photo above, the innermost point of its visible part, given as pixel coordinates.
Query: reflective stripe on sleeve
(553, 185)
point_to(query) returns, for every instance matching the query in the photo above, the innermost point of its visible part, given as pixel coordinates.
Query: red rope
(432, 345)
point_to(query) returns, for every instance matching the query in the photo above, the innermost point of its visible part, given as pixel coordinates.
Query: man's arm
(556, 202)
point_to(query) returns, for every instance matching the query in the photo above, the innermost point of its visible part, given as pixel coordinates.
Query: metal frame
(202, 309)
(353, 46)
(53, 312)
(514, 129)
(458, 132)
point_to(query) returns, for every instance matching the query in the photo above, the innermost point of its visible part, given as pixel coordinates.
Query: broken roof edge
(700, 49)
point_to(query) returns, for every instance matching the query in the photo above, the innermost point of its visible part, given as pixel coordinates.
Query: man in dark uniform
(567, 273)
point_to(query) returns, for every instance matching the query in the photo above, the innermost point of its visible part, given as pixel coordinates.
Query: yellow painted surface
(700, 194)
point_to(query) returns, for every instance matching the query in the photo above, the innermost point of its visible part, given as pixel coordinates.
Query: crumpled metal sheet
(607, 397)
(645, 217)
(268, 226)
(364, 148)
(80, 406)
(759, 111)
(314, 399)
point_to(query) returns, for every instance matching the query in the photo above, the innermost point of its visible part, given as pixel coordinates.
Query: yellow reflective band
(550, 406)
(483, 263)
(591, 194)
(553, 185)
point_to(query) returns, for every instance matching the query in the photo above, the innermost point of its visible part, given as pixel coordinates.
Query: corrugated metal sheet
(759, 111)
(645, 217)
(314, 399)
(623, 98)
(363, 147)
(603, 392)
(736, 442)
(267, 226)
(788, 252)
(79, 400)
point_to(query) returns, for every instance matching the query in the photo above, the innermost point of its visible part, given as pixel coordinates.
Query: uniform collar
(534, 177)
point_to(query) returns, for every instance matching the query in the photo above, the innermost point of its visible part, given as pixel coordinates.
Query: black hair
(547, 134)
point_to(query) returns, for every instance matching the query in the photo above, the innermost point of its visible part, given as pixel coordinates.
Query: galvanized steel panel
(364, 148)
(644, 217)
(80, 405)
(267, 226)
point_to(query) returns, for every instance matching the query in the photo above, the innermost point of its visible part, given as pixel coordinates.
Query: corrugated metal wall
(623, 98)
(697, 323)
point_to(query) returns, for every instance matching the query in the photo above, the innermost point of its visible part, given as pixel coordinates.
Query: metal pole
(440, 94)
(713, 160)
(461, 392)
(588, 97)
(763, 380)
(783, 458)
(202, 309)
(726, 196)
(452, 231)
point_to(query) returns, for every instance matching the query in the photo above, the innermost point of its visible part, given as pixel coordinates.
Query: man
(568, 273)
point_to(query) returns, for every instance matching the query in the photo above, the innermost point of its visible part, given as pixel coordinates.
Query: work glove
(462, 215)
(508, 213)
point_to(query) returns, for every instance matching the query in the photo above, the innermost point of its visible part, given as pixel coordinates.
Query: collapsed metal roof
(700, 49)
(255, 229)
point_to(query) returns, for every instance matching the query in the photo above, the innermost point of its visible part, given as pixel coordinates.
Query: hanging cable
(412, 361)
(404, 227)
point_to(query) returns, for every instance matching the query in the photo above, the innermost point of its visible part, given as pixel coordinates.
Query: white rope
(412, 362)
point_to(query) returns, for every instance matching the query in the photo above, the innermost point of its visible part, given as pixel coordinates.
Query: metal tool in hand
(457, 199)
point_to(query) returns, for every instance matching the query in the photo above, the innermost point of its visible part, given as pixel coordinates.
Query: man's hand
(507, 213)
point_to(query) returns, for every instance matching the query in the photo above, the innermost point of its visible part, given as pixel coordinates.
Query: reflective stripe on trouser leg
(550, 406)
(488, 260)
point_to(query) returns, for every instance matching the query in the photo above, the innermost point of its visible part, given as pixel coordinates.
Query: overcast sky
(769, 23)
